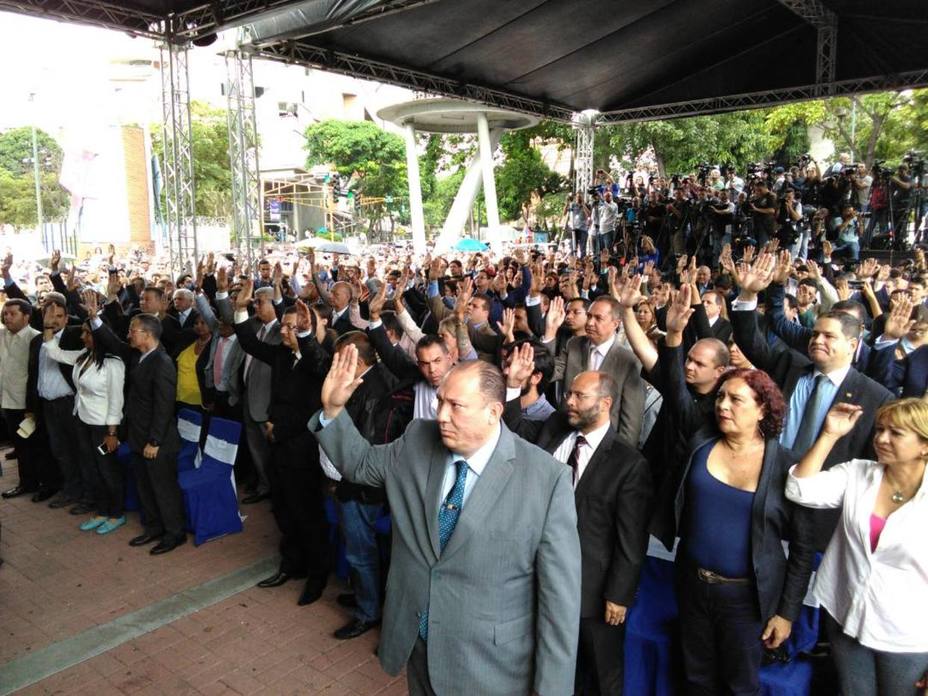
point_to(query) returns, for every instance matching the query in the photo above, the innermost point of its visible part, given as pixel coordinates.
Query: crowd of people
(528, 419)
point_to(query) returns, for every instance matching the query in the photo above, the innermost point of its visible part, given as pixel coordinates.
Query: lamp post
(35, 167)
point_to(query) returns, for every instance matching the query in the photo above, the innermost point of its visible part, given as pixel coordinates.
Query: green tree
(373, 159)
(212, 172)
(17, 186)
(681, 144)
(523, 178)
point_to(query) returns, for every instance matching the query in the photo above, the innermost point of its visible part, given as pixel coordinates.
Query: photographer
(901, 186)
(763, 208)
(677, 214)
(578, 221)
(878, 204)
(608, 217)
(722, 212)
(848, 232)
(861, 182)
(789, 231)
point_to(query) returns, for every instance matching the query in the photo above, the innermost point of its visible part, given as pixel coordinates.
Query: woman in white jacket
(99, 379)
(873, 580)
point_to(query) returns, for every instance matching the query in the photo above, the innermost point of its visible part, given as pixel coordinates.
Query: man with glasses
(612, 491)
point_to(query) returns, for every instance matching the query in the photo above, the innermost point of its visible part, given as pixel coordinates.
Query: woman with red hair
(738, 591)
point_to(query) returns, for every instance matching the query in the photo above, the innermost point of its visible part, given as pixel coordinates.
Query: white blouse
(879, 597)
(99, 388)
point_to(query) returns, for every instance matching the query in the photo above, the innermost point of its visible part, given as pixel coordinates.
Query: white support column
(415, 190)
(463, 202)
(486, 165)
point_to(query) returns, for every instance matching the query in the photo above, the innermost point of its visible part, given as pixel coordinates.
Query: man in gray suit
(484, 589)
(256, 396)
(600, 351)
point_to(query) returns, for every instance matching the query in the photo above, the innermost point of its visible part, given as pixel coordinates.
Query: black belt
(66, 396)
(712, 578)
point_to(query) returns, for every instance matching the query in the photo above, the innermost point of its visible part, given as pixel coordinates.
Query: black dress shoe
(61, 501)
(16, 492)
(43, 494)
(347, 600)
(276, 580)
(166, 545)
(143, 539)
(81, 509)
(355, 628)
(255, 498)
(312, 591)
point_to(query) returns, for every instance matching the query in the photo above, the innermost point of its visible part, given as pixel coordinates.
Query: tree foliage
(212, 172)
(17, 185)
(523, 177)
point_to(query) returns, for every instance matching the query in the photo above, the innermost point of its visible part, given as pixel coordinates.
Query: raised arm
(627, 292)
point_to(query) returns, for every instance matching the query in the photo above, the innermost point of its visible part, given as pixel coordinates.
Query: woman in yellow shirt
(189, 368)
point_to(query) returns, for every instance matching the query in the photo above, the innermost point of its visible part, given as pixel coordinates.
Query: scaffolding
(179, 187)
(585, 124)
(247, 209)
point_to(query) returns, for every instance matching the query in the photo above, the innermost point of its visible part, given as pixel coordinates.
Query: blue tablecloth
(652, 662)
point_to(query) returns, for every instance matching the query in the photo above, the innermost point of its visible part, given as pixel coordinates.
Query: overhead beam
(302, 53)
(756, 100)
(108, 15)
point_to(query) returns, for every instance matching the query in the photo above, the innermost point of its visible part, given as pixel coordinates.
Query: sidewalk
(62, 589)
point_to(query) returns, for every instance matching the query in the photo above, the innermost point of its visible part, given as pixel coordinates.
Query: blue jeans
(362, 554)
(866, 672)
(578, 242)
(850, 248)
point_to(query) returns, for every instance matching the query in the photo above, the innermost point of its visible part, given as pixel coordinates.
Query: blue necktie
(448, 515)
(808, 429)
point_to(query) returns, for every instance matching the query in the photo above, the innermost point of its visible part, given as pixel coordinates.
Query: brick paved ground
(57, 581)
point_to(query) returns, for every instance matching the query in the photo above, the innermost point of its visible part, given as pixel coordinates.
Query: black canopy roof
(642, 59)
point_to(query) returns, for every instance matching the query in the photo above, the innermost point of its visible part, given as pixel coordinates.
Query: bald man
(483, 595)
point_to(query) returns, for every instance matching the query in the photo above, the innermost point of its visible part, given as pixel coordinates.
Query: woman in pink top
(873, 580)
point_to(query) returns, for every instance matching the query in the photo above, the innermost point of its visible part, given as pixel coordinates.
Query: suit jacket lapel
(484, 495)
(597, 461)
(433, 494)
(760, 495)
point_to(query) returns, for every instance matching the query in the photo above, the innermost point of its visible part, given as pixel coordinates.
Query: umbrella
(333, 248)
(310, 243)
(468, 244)
(46, 260)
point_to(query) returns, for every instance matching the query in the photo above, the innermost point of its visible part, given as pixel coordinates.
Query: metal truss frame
(247, 209)
(109, 15)
(302, 53)
(585, 125)
(756, 100)
(825, 22)
(179, 186)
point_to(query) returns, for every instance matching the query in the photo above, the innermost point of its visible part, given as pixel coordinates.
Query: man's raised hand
(243, 298)
(521, 366)
(340, 382)
(680, 310)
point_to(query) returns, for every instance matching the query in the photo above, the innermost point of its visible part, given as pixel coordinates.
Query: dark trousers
(61, 426)
(579, 242)
(298, 507)
(720, 629)
(160, 497)
(32, 471)
(600, 662)
(417, 671)
(106, 481)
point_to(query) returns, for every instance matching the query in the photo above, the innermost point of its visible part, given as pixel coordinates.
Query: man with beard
(612, 491)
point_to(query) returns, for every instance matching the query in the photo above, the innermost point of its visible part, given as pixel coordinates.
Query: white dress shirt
(566, 448)
(879, 597)
(100, 392)
(598, 353)
(425, 404)
(476, 463)
(51, 384)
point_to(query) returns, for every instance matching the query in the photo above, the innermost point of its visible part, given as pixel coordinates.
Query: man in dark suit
(50, 397)
(298, 365)
(600, 351)
(811, 384)
(152, 428)
(612, 491)
(484, 581)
